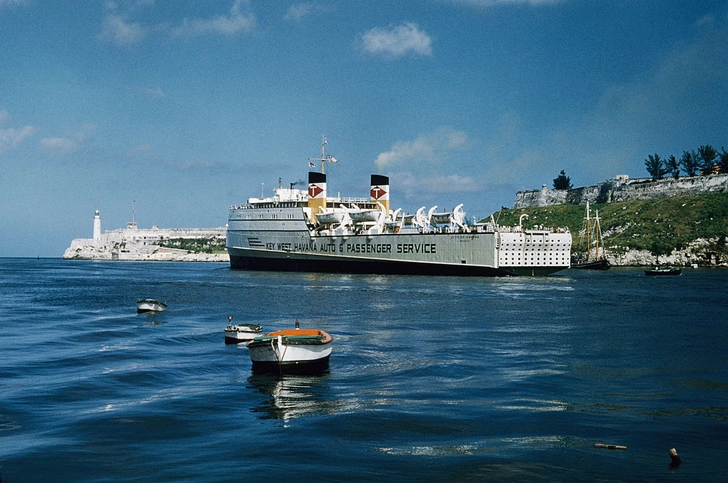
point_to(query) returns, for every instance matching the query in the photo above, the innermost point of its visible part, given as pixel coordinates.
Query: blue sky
(181, 108)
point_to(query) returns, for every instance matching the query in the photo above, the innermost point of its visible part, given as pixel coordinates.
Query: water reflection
(293, 396)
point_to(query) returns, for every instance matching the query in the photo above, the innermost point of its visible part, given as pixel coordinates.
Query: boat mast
(597, 235)
(588, 234)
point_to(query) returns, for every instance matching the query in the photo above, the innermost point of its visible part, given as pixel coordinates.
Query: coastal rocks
(81, 251)
(700, 252)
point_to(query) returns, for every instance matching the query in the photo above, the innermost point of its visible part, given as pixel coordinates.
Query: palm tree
(689, 162)
(673, 166)
(707, 155)
(656, 166)
(723, 160)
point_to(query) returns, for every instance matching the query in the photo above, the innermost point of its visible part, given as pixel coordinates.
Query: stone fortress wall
(136, 244)
(622, 188)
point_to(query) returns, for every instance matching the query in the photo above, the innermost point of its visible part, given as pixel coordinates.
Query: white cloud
(427, 148)
(297, 12)
(11, 137)
(238, 21)
(118, 31)
(397, 41)
(60, 146)
(12, 3)
(63, 146)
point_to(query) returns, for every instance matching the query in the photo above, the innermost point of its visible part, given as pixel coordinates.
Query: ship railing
(519, 229)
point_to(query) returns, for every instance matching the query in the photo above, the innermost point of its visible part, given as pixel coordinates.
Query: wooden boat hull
(291, 351)
(602, 264)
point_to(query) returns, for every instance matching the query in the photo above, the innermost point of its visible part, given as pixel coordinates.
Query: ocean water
(431, 379)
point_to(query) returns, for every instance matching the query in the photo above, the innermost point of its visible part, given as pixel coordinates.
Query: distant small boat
(235, 334)
(150, 305)
(663, 270)
(291, 351)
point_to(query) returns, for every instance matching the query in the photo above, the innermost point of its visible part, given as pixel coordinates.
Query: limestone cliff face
(624, 189)
(699, 252)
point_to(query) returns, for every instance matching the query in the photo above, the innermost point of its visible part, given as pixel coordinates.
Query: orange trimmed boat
(291, 351)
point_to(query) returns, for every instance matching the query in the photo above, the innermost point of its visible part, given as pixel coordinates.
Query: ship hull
(475, 254)
(250, 260)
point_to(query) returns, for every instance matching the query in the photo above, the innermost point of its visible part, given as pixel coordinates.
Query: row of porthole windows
(539, 243)
(513, 258)
(532, 254)
(532, 262)
(532, 247)
(274, 216)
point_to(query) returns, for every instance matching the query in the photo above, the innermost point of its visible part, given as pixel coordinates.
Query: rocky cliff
(624, 189)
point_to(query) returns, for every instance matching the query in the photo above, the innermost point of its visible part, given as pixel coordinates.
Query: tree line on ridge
(705, 161)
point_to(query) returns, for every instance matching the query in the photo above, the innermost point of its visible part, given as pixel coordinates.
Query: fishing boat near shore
(663, 270)
(291, 351)
(296, 230)
(150, 305)
(241, 333)
(593, 256)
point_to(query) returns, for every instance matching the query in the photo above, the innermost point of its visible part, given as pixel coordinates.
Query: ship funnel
(316, 192)
(380, 190)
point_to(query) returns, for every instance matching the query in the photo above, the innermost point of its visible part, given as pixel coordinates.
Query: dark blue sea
(431, 379)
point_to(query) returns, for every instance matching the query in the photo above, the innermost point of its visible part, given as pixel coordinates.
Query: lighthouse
(97, 226)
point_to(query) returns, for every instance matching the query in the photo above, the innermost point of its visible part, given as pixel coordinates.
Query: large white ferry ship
(296, 230)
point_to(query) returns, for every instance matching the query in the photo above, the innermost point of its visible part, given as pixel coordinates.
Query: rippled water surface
(431, 379)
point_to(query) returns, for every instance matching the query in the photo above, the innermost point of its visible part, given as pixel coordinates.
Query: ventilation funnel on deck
(316, 192)
(380, 190)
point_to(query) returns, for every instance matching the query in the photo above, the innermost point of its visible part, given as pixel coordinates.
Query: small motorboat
(663, 270)
(150, 305)
(235, 334)
(291, 351)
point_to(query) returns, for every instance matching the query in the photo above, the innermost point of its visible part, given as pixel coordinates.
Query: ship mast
(324, 142)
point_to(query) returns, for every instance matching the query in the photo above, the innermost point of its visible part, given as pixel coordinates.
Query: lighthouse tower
(97, 226)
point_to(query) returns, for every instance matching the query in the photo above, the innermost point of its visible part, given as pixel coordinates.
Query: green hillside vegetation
(657, 225)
